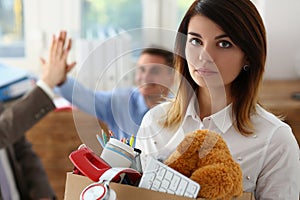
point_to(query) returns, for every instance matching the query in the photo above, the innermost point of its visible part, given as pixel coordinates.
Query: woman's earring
(246, 67)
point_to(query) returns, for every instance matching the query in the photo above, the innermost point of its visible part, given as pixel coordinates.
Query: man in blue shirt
(122, 109)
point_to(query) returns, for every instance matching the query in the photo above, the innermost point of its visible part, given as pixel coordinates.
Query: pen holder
(118, 154)
(136, 163)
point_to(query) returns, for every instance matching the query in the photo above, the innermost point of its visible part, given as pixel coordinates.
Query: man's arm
(23, 114)
(33, 181)
(19, 117)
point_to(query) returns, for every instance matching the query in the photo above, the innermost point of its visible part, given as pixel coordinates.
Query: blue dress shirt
(122, 109)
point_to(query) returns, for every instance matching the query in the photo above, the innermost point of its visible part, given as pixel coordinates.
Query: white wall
(44, 17)
(282, 20)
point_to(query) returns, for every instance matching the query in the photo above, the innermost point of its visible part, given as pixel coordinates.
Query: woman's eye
(195, 41)
(224, 44)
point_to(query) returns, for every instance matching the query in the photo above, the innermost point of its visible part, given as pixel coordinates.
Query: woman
(221, 53)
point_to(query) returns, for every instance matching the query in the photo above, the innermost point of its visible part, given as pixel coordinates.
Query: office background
(32, 22)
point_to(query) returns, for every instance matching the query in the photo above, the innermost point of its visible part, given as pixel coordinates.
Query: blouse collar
(221, 119)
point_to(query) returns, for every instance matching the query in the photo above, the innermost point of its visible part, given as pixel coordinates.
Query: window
(102, 19)
(11, 28)
(183, 6)
(98, 17)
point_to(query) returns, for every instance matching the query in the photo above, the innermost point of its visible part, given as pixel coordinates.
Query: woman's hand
(55, 69)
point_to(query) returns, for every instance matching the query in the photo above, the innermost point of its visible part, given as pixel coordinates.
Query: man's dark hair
(160, 51)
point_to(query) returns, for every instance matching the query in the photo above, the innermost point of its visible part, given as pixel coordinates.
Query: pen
(111, 134)
(100, 140)
(104, 136)
(131, 141)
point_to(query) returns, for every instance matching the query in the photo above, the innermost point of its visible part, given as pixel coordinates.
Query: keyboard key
(161, 173)
(156, 184)
(168, 175)
(192, 188)
(181, 187)
(189, 195)
(165, 184)
(174, 183)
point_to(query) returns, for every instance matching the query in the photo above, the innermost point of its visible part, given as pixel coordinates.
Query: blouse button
(155, 142)
(239, 158)
(248, 177)
(254, 136)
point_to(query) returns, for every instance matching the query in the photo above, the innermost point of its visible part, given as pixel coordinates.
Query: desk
(55, 136)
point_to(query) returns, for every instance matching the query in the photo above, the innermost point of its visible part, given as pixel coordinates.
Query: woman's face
(213, 59)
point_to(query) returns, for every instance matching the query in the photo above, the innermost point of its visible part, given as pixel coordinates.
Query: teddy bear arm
(215, 181)
(238, 180)
(183, 166)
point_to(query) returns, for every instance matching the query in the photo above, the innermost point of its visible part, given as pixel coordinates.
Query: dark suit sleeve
(16, 119)
(30, 176)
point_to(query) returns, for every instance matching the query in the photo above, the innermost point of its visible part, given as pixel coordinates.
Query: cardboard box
(76, 183)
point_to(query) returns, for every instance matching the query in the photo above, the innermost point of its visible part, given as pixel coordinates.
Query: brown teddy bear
(205, 158)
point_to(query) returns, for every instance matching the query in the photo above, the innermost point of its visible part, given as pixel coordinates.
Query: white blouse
(269, 158)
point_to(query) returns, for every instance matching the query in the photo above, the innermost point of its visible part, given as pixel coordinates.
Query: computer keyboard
(160, 177)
